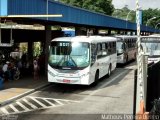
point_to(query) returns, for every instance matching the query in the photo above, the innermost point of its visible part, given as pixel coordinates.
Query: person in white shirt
(35, 69)
(5, 67)
(5, 70)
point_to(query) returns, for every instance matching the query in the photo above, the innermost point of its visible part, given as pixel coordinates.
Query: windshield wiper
(71, 62)
(66, 63)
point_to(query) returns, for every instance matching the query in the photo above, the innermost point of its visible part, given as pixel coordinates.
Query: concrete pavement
(16, 89)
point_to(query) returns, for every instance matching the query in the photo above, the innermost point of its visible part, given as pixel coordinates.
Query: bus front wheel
(96, 76)
(109, 70)
(96, 79)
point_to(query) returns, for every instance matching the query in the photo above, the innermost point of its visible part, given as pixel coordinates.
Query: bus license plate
(66, 81)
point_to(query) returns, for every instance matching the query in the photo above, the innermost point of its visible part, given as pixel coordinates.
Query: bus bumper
(69, 80)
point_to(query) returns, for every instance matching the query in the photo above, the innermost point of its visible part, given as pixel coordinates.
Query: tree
(77, 3)
(37, 49)
(146, 15)
(122, 14)
(102, 6)
(150, 13)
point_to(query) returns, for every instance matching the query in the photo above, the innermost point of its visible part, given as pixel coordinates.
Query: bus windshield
(151, 47)
(69, 55)
(119, 47)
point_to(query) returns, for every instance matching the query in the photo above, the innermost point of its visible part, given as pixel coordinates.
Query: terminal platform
(16, 89)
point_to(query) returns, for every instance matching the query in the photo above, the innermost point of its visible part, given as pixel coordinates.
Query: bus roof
(126, 36)
(122, 37)
(90, 39)
(153, 36)
(150, 38)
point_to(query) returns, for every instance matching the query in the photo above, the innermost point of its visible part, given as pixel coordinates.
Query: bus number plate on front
(66, 81)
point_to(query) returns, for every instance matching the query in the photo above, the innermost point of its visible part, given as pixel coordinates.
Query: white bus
(126, 48)
(151, 47)
(81, 59)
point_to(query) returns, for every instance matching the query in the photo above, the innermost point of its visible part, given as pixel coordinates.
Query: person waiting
(5, 70)
(35, 69)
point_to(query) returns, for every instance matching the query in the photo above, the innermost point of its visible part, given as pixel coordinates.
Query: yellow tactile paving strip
(16, 88)
(10, 93)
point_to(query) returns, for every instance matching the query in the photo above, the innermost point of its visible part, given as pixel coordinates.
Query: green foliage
(122, 14)
(146, 15)
(23, 47)
(37, 49)
(106, 7)
(102, 6)
(77, 3)
(150, 13)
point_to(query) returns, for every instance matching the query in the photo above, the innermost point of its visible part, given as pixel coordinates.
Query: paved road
(112, 95)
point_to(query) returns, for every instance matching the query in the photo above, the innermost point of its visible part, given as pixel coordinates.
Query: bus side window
(104, 50)
(132, 42)
(109, 48)
(93, 53)
(114, 47)
(99, 50)
(106, 45)
(124, 46)
(127, 44)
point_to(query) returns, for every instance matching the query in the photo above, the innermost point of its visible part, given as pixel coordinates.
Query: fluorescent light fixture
(26, 16)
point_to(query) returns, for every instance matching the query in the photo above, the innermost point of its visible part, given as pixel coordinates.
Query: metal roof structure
(71, 15)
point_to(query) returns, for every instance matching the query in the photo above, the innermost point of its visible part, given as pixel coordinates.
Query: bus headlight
(51, 73)
(84, 75)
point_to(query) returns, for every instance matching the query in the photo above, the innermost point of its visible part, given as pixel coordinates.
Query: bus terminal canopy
(63, 14)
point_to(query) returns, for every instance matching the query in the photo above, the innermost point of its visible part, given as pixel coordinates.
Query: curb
(23, 94)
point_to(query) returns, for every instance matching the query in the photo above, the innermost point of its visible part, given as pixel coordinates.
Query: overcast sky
(145, 4)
